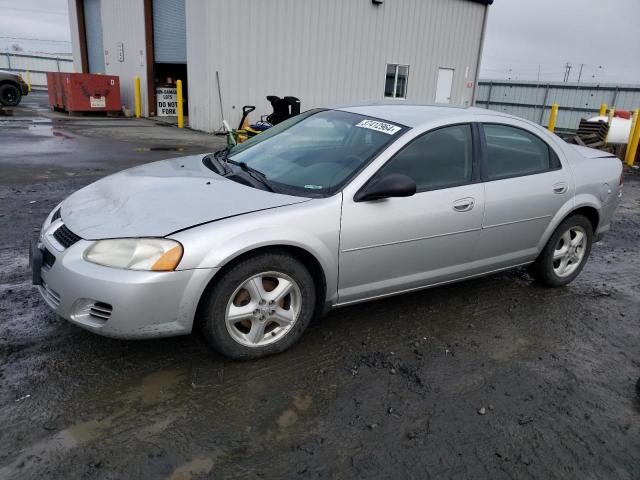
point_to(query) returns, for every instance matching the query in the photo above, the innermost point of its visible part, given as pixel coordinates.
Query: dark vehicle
(12, 88)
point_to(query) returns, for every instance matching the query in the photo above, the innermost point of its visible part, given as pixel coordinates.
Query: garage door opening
(169, 55)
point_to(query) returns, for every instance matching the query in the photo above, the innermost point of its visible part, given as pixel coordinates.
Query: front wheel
(10, 95)
(565, 254)
(259, 307)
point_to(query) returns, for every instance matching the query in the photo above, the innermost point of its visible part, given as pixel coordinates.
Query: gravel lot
(491, 378)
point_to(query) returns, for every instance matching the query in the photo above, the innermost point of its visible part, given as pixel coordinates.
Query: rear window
(513, 152)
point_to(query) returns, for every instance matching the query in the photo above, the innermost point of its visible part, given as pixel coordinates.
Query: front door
(398, 244)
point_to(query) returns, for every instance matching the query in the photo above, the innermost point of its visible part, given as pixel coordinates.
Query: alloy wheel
(263, 309)
(569, 251)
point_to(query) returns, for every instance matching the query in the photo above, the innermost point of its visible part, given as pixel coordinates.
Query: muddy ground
(388, 389)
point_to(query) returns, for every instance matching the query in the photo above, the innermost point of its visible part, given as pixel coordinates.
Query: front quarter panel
(313, 226)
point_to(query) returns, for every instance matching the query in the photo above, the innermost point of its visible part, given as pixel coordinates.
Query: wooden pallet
(591, 134)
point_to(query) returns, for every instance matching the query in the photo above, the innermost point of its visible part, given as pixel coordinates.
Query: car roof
(412, 115)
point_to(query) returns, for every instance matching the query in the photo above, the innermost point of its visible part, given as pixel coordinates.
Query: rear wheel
(10, 95)
(259, 307)
(565, 254)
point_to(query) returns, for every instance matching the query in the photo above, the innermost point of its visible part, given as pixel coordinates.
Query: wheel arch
(307, 258)
(589, 208)
(592, 214)
(7, 81)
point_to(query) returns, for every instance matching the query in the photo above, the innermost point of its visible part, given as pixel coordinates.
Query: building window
(395, 85)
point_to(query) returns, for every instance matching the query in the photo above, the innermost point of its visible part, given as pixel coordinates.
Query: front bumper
(114, 302)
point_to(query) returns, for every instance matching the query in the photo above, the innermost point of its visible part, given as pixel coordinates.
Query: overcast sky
(35, 20)
(523, 36)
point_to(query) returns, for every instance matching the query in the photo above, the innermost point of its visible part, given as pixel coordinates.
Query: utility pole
(580, 74)
(567, 72)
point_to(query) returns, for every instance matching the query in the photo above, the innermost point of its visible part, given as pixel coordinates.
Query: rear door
(525, 185)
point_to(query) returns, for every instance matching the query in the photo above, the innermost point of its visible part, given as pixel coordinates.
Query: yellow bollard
(634, 119)
(553, 117)
(632, 147)
(28, 80)
(136, 88)
(180, 112)
(612, 111)
(603, 110)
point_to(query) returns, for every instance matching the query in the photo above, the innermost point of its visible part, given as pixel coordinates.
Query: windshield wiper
(253, 173)
(218, 162)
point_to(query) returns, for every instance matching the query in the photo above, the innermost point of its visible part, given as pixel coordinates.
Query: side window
(512, 151)
(440, 158)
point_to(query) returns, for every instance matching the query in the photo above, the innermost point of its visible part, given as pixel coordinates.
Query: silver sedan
(330, 208)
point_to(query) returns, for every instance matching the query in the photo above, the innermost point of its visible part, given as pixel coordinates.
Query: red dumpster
(84, 92)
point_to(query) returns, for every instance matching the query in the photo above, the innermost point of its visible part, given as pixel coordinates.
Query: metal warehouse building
(231, 53)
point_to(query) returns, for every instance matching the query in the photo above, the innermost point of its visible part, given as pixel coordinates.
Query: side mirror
(393, 185)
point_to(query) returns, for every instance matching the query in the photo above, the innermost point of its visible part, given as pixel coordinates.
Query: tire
(550, 272)
(10, 95)
(237, 293)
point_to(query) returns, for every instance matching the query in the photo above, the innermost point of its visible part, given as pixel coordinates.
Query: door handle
(464, 204)
(560, 187)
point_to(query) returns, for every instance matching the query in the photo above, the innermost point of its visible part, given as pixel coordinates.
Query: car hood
(160, 198)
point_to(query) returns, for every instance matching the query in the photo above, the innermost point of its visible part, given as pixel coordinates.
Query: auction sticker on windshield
(378, 126)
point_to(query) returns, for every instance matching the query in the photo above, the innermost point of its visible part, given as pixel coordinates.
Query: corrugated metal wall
(169, 36)
(36, 65)
(533, 100)
(324, 52)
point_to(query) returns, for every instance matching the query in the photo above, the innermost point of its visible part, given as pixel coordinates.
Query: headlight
(153, 254)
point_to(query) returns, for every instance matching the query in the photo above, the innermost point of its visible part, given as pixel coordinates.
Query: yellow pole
(632, 148)
(29, 80)
(180, 112)
(603, 110)
(137, 95)
(612, 111)
(553, 117)
(634, 119)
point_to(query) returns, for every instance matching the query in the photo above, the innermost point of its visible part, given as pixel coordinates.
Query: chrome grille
(101, 311)
(50, 295)
(65, 237)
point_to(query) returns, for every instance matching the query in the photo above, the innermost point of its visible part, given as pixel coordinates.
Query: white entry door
(444, 85)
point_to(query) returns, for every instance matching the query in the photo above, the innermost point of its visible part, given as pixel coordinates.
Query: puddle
(197, 466)
(287, 419)
(160, 149)
(301, 403)
(151, 390)
(155, 388)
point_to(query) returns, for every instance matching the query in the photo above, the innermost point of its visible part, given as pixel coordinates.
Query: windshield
(317, 151)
